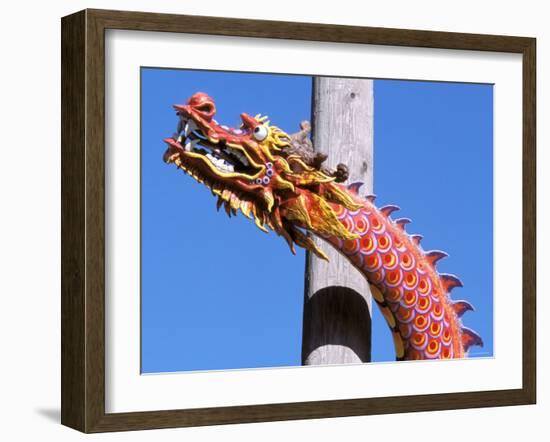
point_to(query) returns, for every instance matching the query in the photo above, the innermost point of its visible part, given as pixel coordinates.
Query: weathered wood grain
(73, 253)
(337, 319)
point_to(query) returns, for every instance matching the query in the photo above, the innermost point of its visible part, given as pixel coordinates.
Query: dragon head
(255, 170)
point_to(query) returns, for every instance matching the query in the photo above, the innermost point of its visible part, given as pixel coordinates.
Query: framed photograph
(373, 248)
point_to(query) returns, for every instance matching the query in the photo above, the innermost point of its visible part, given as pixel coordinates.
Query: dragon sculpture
(278, 180)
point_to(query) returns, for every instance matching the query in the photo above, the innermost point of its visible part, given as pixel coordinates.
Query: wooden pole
(337, 308)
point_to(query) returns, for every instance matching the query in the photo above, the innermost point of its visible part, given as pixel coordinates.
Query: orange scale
(421, 322)
(377, 277)
(348, 223)
(423, 304)
(409, 299)
(393, 277)
(351, 246)
(405, 314)
(433, 347)
(446, 336)
(376, 224)
(367, 244)
(435, 329)
(410, 280)
(372, 262)
(418, 339)
(384, 243)
(390, 260)
(393, 294)
(423, 286)
(446, 353)
(406, 260)
(361, 225)
(437, 311)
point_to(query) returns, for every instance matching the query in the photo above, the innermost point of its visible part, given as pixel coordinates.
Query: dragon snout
(172, 150)
(200, 104)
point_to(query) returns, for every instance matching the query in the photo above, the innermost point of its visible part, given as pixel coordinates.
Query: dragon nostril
(206, 108)
(202, 104)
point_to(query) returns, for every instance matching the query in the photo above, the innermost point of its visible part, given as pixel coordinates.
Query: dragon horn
(450, 281)
(354, 187)
(433, 256)
(370, 198)
(469, 338)
(401, 222)
(461, 307)
(389, 209)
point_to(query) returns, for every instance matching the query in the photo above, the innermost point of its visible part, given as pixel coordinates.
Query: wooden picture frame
(83, 220)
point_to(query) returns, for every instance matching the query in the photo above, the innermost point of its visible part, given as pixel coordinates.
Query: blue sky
(221, 294)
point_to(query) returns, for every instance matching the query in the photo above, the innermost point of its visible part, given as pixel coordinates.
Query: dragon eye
(260, 133)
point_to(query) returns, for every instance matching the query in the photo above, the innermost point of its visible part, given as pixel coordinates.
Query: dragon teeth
(225, 166)
(226, 194)
(180, 126)
(235, 202)
(243, 159)
(241, 156)
(190, 145)
(220, 163)
(190, 127)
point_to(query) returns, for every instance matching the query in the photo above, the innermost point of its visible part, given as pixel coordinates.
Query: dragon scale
(279, 181)
(412, 296)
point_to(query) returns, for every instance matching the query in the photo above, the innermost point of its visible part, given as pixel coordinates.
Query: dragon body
(276, 180)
